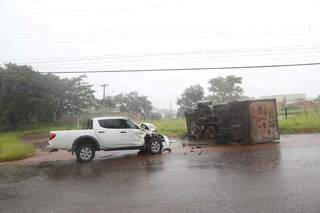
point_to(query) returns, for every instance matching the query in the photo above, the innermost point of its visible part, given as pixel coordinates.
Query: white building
(288, 98)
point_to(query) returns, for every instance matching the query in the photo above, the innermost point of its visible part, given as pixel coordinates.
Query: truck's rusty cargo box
(253, 121)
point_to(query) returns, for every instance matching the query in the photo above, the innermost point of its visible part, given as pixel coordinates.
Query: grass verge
(11, 148)
(175, 128)
(301, 123)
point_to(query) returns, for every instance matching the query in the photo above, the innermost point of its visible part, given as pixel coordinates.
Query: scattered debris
(167, 149)
(200, 152)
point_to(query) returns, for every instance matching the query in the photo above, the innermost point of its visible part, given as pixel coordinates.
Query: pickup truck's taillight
(52, 135)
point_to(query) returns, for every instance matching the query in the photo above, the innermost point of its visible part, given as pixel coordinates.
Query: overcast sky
(61, 35)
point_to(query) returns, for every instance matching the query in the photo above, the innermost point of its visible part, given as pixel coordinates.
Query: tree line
(29, 96)
(128, 102)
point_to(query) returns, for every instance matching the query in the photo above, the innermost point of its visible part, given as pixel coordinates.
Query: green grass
(11, 148)
(300, 124)
(172, 128)
(42, 128)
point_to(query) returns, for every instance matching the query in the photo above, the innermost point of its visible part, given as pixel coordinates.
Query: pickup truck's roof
(110, 117)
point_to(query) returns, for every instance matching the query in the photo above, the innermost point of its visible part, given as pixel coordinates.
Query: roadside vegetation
(11, 146)
(175, 128)
(300, 123)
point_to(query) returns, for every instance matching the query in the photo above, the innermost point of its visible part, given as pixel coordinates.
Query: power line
(159, 59)
(117, 32)
(189, 68)
(250, 51)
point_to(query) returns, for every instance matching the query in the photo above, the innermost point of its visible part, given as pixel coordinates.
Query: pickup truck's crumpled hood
(149, 126)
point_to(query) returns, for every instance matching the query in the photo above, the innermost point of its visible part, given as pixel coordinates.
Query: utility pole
(104, 96)
(170, 106)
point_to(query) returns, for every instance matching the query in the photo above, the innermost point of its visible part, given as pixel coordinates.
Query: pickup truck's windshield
(128, 124)
(88, 124)
(135, 123)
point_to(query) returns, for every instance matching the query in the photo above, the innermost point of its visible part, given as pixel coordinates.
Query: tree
(189, 97)
(20, 94)
(29, 95)
(133, 102)
(225, 89)
(76, 95)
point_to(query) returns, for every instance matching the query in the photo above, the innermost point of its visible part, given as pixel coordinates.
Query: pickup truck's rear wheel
(85, 152)
(155, 147)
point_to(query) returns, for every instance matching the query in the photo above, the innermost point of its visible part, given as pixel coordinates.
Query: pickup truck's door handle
(123, 132)
(101, 132)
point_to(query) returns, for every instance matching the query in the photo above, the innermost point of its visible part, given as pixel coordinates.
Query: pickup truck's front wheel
(155, 147)
(85, 152)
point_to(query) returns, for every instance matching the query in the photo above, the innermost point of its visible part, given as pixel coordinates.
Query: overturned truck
(253, 121)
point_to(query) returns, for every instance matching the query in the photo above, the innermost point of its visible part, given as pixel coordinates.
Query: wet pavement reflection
(273, 177)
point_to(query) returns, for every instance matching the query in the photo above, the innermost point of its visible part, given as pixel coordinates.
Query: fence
(306, 108)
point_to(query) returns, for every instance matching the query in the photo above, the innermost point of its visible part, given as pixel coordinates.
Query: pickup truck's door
(110, 134)
(132, 133)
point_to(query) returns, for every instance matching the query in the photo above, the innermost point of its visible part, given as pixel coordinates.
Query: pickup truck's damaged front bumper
(166, 144)
(158, 137)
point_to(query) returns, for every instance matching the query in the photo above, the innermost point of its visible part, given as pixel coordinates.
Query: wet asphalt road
(277, 177)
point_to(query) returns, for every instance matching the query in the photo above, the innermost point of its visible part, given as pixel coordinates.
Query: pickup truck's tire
(85, 152)
(155, 147)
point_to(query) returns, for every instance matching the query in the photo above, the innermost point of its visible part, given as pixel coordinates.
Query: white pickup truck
(108, 133)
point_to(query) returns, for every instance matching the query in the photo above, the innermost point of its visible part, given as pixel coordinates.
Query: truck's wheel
(85, 152)
(155, 147)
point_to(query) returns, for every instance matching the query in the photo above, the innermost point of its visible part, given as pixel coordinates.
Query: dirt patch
(43, 156)
(40, 140)
(307, 130)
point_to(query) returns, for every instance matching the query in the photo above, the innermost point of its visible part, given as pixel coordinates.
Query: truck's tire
(155, 147)
(85, 152)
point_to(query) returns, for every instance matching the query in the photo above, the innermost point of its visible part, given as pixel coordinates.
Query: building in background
(287, 99)
(166, 113)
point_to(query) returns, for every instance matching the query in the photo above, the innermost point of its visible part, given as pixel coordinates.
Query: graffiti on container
(263, 122)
